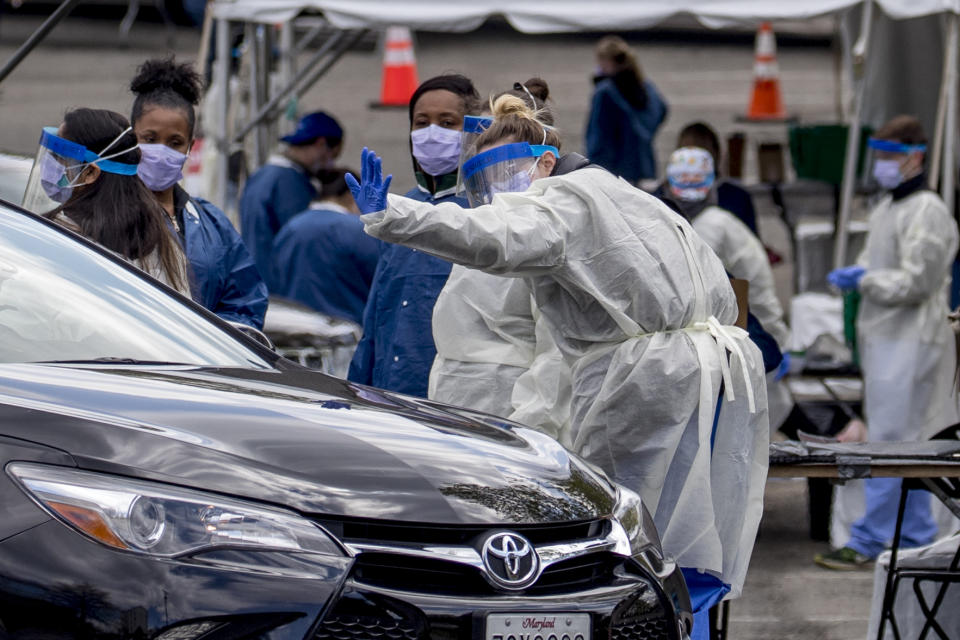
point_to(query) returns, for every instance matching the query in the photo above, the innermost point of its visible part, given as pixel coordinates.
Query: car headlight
(162, 520)
(640, 539)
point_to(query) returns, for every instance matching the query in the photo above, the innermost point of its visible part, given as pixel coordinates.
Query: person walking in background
(224, 278)
(285, 186)
(625, 114)
(322, 258)
(903, 335)
(397, 348)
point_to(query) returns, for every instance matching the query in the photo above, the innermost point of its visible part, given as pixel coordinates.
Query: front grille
(642, 617)
(365, 628)
(366, 616)
(643, 629)
(360, 531)
(420, 575)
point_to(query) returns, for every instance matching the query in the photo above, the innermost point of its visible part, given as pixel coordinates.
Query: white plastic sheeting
(536, 16)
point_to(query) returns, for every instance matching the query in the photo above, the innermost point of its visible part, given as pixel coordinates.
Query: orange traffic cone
(765, 102)
(399, 69)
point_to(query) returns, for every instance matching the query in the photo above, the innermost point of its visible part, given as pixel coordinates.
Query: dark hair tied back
(165, 83)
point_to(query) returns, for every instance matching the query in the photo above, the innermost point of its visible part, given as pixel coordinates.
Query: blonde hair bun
(508, 105)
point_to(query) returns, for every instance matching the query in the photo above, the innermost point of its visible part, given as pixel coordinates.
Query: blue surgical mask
(160, 166)
(887, 173)
(437, 149)
(53, 179)
(518, 183)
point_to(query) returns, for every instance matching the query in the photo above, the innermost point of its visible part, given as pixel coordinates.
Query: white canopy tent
(535, 16)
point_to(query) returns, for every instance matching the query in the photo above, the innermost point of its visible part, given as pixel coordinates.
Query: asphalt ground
(702, 76)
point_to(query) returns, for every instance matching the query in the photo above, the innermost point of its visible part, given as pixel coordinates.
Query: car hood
(303, 440)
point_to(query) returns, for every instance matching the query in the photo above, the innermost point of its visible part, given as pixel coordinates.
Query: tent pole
(933, 178)
(853, 136)
(223, 82)
(288, 56)
(253, 47)
(282, 95)
(950, 121)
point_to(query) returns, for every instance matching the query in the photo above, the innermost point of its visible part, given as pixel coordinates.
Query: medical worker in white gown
(643, 313)
(906, 345)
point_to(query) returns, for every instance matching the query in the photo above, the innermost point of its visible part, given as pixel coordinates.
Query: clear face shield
(889, 158)
(473, 128)
(508, 168)
(59, 167)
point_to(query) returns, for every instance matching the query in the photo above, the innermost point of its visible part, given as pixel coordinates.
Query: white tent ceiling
(538, 16)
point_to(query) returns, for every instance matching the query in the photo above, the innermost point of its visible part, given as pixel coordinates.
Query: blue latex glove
(846, 278)
(371, 192)
(784, 367)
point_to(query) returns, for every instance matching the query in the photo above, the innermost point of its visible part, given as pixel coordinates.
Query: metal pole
(322, 71)
(950, 141)
(283, 94)
(936, 153)
(253, 101)
(61, 12)
(853, 136)
(223, 132)
(288, 56)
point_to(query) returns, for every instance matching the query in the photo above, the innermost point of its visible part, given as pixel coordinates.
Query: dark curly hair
(163, 82)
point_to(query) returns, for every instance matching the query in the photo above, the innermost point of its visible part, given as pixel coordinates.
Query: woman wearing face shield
(224, 277)
(905, 342)
(85, 178)
(397, 349)
(491, 355)
(641, 309)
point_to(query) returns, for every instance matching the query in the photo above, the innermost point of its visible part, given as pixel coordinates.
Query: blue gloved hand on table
(371, 192)
(846, 278)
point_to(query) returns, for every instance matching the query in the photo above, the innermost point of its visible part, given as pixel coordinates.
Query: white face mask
(887, 173)
(437, 149)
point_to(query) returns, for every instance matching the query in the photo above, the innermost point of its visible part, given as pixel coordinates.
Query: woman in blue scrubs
(223, 276)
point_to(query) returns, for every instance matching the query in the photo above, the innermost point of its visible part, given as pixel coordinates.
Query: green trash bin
(817, 151)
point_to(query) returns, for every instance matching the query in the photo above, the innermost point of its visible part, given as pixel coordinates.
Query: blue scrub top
(323, 259)
(274, 194)
(223, 276)
(397, 349)
(620, 137)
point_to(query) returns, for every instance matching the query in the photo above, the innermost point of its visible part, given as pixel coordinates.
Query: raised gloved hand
(371, 192)
(784, 367)
(846, 278)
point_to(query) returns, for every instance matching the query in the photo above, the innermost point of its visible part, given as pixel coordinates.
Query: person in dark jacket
(285, 186)
(322, 258)
(625, 114)
(223, 277)
(397, 348)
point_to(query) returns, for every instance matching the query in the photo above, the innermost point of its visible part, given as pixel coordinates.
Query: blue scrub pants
(871, 534)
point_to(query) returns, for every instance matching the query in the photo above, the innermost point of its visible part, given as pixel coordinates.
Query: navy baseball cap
(315, 125)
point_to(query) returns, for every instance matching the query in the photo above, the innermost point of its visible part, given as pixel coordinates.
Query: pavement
(703, 77)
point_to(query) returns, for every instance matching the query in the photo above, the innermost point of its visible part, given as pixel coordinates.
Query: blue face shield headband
(68, 149)
(894, 147)
(505, 153)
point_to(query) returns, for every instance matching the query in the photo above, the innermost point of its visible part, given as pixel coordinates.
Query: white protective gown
(484, 331)
(487, 337)
(642, 310)
(744, 257)
(905, 341)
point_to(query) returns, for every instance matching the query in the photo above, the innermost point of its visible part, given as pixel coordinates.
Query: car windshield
(63, 301)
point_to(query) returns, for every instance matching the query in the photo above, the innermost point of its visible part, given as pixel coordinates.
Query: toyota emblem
(510, 561)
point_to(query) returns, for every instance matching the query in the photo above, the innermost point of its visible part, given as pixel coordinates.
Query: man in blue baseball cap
(285, 186)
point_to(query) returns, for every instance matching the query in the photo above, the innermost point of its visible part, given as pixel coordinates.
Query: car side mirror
(254, 333)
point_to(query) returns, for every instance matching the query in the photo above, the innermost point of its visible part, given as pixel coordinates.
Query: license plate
(538, 626)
